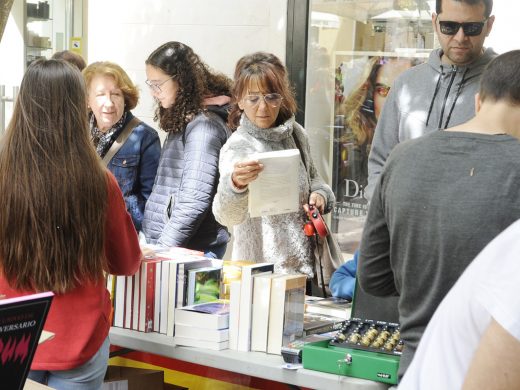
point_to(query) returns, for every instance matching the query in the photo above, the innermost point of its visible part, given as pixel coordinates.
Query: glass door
(356, 48)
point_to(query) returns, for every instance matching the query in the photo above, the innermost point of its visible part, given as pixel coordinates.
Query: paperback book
(246, 301)
(286, 311)
(332, 306)
(21, 325)
(209, 315)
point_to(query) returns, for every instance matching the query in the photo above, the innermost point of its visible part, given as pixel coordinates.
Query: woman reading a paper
(263, 116)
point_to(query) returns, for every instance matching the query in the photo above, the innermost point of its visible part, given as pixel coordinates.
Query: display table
(255, 364)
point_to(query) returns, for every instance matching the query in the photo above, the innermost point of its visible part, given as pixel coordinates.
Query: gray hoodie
(427, 97)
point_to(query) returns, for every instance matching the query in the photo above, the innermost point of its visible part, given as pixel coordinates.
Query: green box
(380, 367)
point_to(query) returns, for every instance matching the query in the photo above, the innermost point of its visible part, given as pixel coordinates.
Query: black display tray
(369, 335)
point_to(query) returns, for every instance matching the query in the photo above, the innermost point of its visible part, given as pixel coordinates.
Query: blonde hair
(106, 68)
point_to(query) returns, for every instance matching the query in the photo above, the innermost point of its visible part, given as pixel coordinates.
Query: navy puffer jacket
(178, 212)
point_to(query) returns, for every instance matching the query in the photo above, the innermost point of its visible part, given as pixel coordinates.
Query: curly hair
(196, 82)
(268, 71)
(123, 82)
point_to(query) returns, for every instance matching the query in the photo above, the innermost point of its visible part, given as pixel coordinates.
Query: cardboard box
(129, 378)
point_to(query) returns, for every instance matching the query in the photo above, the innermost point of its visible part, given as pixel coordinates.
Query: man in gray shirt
(440, 92)
(440, 199)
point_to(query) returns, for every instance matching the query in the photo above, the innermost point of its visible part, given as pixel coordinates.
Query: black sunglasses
(471, 29)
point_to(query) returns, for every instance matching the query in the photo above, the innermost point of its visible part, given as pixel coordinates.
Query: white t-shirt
(489, 288)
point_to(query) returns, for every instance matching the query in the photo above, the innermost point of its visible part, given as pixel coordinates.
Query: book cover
(332, 306)
(279, 176)
(246, 301)
(260, 316)
(21, 324)
(182, 277)
(209, 315)
(286, 311)
(232, 270)
(203, 285)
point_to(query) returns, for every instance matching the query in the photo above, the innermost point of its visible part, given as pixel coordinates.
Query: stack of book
(146, 301)
(266, 309)
(204, 325)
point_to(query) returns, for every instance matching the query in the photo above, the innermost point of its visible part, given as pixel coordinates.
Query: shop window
(356, 49)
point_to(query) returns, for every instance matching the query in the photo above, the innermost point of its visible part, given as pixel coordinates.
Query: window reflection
(355, 46)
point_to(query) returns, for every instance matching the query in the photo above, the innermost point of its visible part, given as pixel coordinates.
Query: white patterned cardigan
(277, 239)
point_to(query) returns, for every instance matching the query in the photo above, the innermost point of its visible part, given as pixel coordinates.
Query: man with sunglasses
(439, 201)
(438, 93)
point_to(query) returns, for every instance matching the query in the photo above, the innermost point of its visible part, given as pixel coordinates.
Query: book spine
(260, 316)
(323, 329)
(172, 287)
(136, 285)
(149, 297)
(119, 304)
(165, 288)
(128, 302)
(157, 297)
(234, 313)
(181, 277)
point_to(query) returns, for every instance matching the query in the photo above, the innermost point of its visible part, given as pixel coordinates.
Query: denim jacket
(135, 166)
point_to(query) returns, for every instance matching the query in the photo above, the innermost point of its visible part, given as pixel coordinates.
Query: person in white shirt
(473, 340)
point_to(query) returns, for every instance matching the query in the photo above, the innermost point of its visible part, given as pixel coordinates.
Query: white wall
(220, 31)
(12, 49)
(504, 37)
(12, 56)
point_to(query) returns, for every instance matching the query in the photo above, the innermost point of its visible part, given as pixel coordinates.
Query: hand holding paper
(276, 190)
(245, 172)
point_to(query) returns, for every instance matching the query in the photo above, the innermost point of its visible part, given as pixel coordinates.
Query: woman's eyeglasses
(382, 89)
(156, 87)
(471, 29)
(271, 99)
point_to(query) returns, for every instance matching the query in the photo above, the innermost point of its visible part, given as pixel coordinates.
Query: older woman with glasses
(192, 103)
(263, 116)
(129, 147)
